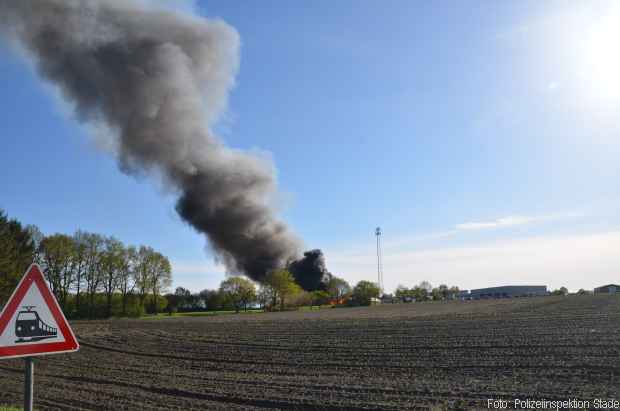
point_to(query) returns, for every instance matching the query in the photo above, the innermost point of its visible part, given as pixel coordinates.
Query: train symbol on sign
(29, 326)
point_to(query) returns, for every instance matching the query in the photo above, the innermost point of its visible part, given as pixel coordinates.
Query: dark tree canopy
(17, 252)
(365, 291)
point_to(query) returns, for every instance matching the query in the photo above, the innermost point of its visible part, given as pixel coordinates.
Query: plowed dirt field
(391, 357)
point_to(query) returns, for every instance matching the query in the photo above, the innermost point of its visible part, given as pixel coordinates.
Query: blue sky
(481, 136)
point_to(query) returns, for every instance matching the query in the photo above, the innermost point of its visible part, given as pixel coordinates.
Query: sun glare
(601, 58)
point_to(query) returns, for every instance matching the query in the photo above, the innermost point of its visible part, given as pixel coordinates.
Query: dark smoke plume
(310, 271)
(158, 81)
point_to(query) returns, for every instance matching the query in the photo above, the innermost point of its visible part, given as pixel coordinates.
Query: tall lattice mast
(379, 259)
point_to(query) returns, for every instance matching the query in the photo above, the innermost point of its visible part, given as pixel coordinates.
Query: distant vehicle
(29, 327)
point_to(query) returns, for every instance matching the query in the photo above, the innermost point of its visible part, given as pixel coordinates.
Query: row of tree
(95, 276)
(91, 275)
(425, 291)
(86, 265)
(278, 291)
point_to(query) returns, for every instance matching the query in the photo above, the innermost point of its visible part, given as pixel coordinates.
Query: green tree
(318, 298)
(444, 291)
(17, 252)
(160, 277)
(422, 291)
(178, 299)
(405, 294)
(364, 292)
(283, 286)
(453, 291)
(184, 295)
(560, 291)
(338, 288)
(401, 291)
(142, 271)
(425, 285)
(420, 294)
(211, 299)
(239, 291)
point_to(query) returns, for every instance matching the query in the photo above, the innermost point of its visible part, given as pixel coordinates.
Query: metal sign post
(31, 324)
(28, 383)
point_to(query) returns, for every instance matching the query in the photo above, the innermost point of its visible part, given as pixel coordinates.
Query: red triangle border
(34, 275)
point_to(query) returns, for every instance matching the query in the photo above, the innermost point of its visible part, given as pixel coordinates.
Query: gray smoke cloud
(159, 80)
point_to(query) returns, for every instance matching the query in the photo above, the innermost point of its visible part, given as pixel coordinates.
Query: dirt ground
(406, 356)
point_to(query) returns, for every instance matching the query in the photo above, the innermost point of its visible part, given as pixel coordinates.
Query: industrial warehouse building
(461, 295)
(607, 289)
(509, 291)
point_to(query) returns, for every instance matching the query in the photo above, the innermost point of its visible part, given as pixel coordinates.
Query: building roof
(504, 287)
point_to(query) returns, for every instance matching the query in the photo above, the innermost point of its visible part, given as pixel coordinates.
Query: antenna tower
(379, 259)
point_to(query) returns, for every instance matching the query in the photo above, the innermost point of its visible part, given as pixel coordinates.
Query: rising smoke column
(158, 81)
(310, 271)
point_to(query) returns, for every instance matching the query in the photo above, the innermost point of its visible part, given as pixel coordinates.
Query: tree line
(91, 275)
(425, 292)
(279, 291)
(96, 276)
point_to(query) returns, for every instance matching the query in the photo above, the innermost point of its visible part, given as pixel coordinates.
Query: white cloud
(459, 231)
(576, 261)
(512, 221)
(499, 223)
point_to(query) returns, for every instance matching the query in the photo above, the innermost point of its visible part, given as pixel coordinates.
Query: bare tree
(338, 288)
(92, 276)
(126, 284)
(56, 254)
(111, 265)
(80, 262)
(37, 237)
(265, 296)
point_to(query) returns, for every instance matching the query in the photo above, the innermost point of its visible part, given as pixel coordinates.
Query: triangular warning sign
(32, 322)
